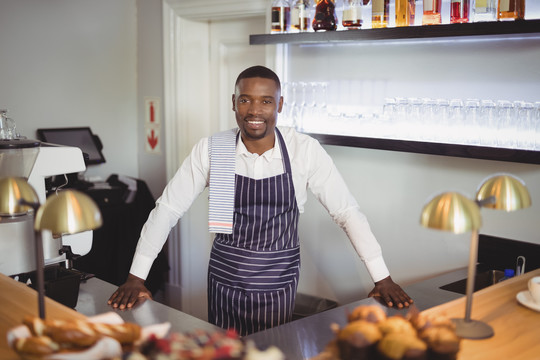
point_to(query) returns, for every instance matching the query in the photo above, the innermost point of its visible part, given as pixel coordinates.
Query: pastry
(35, 345)
(371, 313)
(356, 341)
(69, 334)
(397, 324)
(126, 333)
(442, 342)
(64, 336)
(423, 322)
(203, 345)
(401, 346)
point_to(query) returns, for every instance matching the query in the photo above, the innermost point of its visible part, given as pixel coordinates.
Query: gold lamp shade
(506, 191)
(68, 212)
(453, 212)
(16, 196)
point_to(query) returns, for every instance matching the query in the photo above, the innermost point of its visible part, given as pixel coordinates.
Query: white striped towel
(222, 151)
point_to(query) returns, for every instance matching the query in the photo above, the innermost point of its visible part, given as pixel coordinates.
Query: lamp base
(473, 329)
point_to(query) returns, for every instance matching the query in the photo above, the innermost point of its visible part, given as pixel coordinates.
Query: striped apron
(253, 272)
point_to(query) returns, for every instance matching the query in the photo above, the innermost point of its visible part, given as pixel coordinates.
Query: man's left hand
(391, 293)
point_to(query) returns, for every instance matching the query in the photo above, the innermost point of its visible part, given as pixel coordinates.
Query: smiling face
(256, 103)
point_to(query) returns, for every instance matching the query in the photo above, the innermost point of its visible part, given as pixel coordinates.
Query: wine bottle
(432, 12)
(459, 11)
(325, 16)
(405, 10)
(379, 13)
(300, 15)
(511, 10)
(352, 14)
(484, 10)
(280, 16)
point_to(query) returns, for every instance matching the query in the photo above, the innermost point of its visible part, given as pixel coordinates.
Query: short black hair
(258, 71)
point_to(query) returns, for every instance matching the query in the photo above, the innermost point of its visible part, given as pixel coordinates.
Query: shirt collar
(273, 153)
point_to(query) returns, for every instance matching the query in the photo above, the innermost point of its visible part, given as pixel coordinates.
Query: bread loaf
(53, 336)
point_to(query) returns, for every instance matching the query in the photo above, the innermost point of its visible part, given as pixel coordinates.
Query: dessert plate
(524, 297)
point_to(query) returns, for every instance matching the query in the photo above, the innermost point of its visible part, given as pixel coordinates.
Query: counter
(517, 328)
(18, 300)
(307, 337)
(517, 331)
(93, 296)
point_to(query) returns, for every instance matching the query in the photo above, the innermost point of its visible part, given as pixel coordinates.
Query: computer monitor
(81, 137)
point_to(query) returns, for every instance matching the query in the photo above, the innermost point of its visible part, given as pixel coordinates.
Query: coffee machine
(35, 161)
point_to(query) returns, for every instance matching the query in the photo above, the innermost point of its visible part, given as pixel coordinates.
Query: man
(258, 176)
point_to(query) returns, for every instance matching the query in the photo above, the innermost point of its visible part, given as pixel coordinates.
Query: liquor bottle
(352, 14)
(280, 16)
(379, 13)
(511, 10)
(459, 11)
(484, 10)
(432, 12)
(300, 15)
(405, 12)
(325, 16)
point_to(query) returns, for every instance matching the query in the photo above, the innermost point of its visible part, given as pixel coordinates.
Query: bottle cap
(509, 272)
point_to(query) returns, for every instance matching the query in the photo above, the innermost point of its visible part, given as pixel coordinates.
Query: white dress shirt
(312, 168)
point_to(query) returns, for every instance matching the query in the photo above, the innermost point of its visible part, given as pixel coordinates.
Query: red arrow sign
(152, 140)
(152, 114)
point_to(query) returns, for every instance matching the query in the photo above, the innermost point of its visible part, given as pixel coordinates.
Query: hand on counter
(391, 293)
(131, 293)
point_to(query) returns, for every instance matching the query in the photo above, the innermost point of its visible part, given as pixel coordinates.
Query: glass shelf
(492, 30)
(431, 148)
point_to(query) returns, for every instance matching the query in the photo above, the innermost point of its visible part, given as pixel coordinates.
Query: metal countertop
(299, 339)
(307, 337)
(93, 296)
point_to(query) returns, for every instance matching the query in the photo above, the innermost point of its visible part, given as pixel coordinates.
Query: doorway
(203, 56)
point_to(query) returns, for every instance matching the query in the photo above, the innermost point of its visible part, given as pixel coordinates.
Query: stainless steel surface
(17, 245)
(307, 337)
(482, 280)
(299, 339)
(93, 296)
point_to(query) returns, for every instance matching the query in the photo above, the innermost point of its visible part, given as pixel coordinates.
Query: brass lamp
(16, 196)
(454, 212)
(67, 212)
(503, 192)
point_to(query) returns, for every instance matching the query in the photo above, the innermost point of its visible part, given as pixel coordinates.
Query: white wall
(391, 189)
(71, 63)
(151, 165)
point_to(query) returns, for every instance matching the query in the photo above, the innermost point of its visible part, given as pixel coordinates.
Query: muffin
(397, 324)
(357, 340)
(371, 313)
(442, 342)
(401, 346)
(423, 322)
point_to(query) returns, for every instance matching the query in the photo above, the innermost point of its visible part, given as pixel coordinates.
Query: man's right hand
(131, 293)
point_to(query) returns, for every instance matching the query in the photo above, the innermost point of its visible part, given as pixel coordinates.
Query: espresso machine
(36, 161)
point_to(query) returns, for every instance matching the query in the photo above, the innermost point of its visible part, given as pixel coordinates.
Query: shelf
(521, 29)
(497, 30)
(418, 147)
